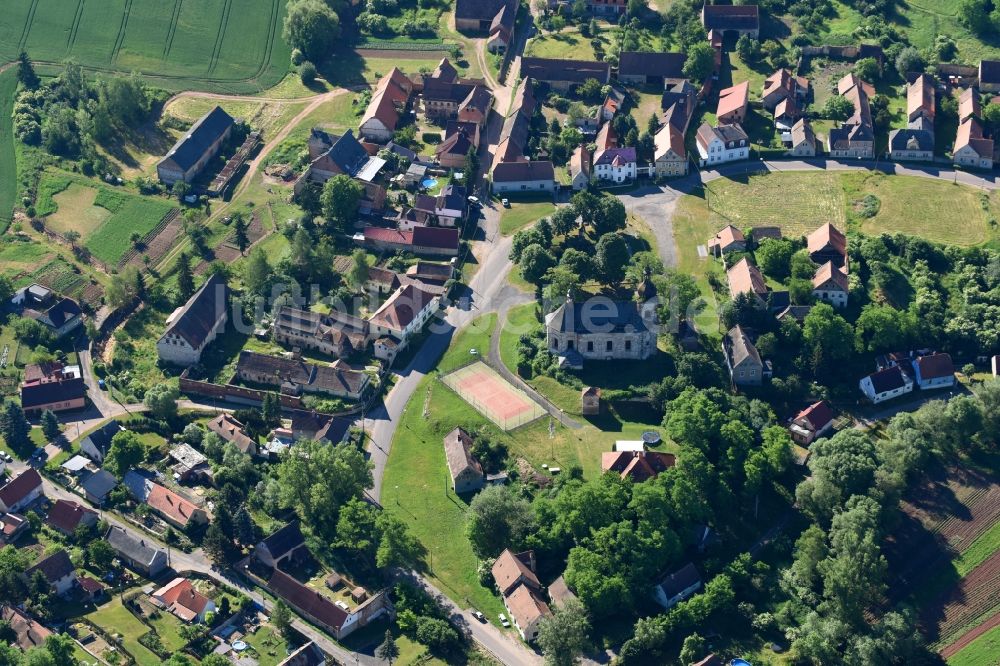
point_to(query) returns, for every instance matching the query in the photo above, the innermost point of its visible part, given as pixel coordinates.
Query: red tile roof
(508, 568)
(306, 600)
(733, 99)
(934, 366)
(20, 487)
(170, 504)
(180, 597)
(66, 516)
(828, 272)
(637, 465)
(827, 235)
(817, 414)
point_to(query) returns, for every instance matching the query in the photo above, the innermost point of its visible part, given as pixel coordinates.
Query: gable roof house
(526, 610)
(332, 155)
(294, 376)
(579, 168)
(745, 278)
(642, 67)
(972, 148)
(21, 491)
(58, 571)
(188, 157)
(170, 506)
(729, 239)
(969, 105)
(229, 429)
(616, 165)
(336, 333)
(55, 387)
(66, 516)
(677, 586)
(97, 486)
(855, 137)
(735, 20)
(61, 317)
(428, 241)
(733, 104)
(802, 140)
(403, 314)
(493, 17)
(828, 243)
(670, 154)
(510, 570)
(934, 371)
(638, 466)
(11, 527)
(139, 554)
(391, 95)
(533, 176)
(886, 384)
(811, 423)
(916, 140)
(515, 578)
(783, 85)
(989, 75)
(95, 445)
(830, 285)
(466, 472)
(283, 544)
(195, 325)
(742, 359)
(180, 598)
(321, 610)
(28, 632)
(564, 74)
(725, 143)
(459, 138)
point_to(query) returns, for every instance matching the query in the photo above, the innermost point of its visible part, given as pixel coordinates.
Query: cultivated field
(8, 166)
(106, 221)
(224, 45)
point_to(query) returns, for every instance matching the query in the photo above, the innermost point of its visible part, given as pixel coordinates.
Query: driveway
(655, 205)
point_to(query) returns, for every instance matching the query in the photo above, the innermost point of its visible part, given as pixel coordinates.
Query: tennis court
(493, 396)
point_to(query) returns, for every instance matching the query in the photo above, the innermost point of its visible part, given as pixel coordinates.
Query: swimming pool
(428, 183)
(740, 662)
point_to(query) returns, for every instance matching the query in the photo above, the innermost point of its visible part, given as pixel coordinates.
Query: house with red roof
(66, 516)
(430, 241)
(733, 104)
(812, 423)
(21, 491)
(830, 285)
(828, 244)
(934, 371)
(403, 314)
(180, 598)
(637, 465)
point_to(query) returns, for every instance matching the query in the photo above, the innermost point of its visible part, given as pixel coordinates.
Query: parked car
(479, 616)
(101, 385)
(474, 200)
(504, 621)
(505, 202)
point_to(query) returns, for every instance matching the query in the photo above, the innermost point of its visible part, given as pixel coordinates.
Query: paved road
(655, 205)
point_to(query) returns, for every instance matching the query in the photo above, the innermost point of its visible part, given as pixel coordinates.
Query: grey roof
(571, 71)
(132, 547)
(597, 316)
(63, 311)
(311, 377)
(680, 580)
(641, 63)
(76, 463)
(348, 153)
(101, 438)
(512, 172)
(200, 314)
(452, 197)
(205, 132)
(54, 567)
(99, 484)
(739, 348)
(887, 380)
(284, 539)
(989, 71)
(911, 139)
(64, 390)
(483, 10)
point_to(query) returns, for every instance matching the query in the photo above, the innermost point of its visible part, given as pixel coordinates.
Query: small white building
(725, 143)
(886, 384)
(616, 165)
(934, 371)
(402, 315)
(677, 586)
(830, 285)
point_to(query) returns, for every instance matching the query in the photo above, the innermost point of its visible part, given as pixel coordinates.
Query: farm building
(193, 151)
(194, 325)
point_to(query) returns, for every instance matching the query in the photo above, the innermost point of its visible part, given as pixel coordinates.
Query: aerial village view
(499, 332)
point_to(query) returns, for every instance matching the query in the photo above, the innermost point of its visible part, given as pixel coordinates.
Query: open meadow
(221, 45)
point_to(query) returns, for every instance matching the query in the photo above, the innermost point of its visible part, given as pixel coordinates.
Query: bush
(307, 73)
(297, 57)
(869, 206)
(431, 137)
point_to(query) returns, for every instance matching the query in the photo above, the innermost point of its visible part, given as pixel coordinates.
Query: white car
(479, 616)
(505, 202)
(503, 620)
(474, 200)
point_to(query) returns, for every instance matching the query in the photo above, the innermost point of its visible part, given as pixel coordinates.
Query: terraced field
(223, 45)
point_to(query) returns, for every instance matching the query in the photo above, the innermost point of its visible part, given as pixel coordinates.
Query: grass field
(75, 211)
(800, 202)
(981, 652)
(520, 215)
(220, 45)
(8, 165)
(266, 116)
(568, 44)
(114, 618)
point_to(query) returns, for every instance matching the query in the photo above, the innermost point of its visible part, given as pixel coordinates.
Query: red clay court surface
(493, 396)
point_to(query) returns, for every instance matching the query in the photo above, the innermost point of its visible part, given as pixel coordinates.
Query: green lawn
(981, 652)
(416, 483)
(266, 116)
(8, 166)
(167, 627)
(521, 214)
(114, 618)
(212, 44)
(270, 646)
(568, 44)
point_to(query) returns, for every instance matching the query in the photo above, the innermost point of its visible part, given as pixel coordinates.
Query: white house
(886, 384)
(934, 371)
(194, 325)
(402, 315)
(535, 176)
(725, 143)
(830, 285)
(58, 571)
(618, 165)
(677, 586)
(20, 491)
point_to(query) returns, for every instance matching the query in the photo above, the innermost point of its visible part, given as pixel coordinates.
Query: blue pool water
(428, 183)
(740, 662)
